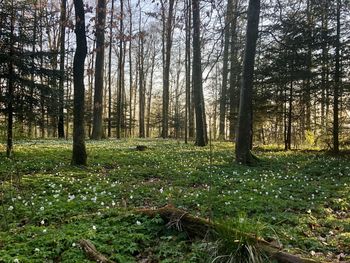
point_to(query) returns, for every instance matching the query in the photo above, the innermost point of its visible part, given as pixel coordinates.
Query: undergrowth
(297, 199)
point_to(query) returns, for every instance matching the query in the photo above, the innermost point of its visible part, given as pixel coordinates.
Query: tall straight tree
(336, 84)
(110, 72)
(97, 129)
(234, 71)
(120, 72)
(187, 8)
(10, 93)
(166, 67)
(201, 131)
(223, 98)
(79, 151)
(61, 82)
(243, 141)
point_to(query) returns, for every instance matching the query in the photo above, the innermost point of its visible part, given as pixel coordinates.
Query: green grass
(301, 198)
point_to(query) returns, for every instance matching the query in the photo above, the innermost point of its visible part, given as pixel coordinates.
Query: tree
(110, 72)
(61, 83)
(168, 29)
(336, 84)
(97, 129)
(243, 141)
(223, 98)
(120, 73)
(201, 131)
(79, 156)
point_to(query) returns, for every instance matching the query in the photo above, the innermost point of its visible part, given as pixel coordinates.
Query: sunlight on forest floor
(301, 199)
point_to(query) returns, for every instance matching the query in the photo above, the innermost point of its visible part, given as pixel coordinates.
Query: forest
(175, 131)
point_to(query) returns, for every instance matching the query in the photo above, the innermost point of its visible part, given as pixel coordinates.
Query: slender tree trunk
(166, 82)
(288, 143)
(336, 84)
(201, 132)
(97, 129)
(60, 125)
(79, 151)
(109, 132)
(324, 81)
(234, 74)
(120, 73)
(223, 97)
(10, 94)
(148, 125)
(141, 83)
(243, 154)
(31, 117)
(189, 96)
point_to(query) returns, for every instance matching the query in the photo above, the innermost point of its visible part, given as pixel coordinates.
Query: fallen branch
(200, 227)
(92, 253)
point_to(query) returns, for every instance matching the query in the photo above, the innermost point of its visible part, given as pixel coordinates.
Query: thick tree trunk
(61, 81)
(79, 152)
(201, 132)
(97, 129)
(243, 141)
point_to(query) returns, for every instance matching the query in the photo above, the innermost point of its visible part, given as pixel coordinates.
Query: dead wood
(92, 253)
(201, 228)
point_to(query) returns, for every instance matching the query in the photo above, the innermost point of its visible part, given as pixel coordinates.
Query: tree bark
(223, 96)
(336, 84)
(10, 94)
(60, 125)
(109, 132)
(79, 151)
(120, 73)
(234, 74)
(97, 129)
(201, 132)
(166, 82)
(243, 141)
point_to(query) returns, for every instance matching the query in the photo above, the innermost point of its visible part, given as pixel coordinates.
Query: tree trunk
(188, 109)
(201, 132)
(61, 81)
(97, 129)
(148, 125)
(79, 152)
(120, 73)
(10, 94)
(109, 132)
(223, 96)
(336, 85)
(243, 154)
(141, 84)
(166, 82)
(234, 74)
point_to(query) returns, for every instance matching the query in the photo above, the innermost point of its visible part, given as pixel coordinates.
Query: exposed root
(200, 228)
(92, 253)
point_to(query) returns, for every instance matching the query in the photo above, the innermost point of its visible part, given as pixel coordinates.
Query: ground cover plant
(297, 199)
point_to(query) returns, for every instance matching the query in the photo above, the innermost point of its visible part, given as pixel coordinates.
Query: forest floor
(298, 199)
